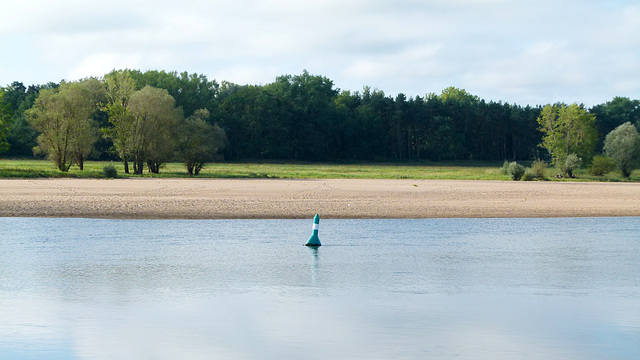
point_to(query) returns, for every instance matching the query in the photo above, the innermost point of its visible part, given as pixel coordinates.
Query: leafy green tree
(458, 96)
(550, 126)
(87, 96)
(63, 117)
(120, 87)
(567, 130)
(151, 133)
(581, 133)
(199, 141)
(622, 144)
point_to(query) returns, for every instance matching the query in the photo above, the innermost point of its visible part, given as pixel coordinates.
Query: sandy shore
(219, 199)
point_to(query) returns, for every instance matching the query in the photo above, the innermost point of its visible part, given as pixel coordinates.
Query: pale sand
(245, 199)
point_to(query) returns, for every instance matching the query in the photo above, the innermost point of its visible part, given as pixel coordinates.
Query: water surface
(376, 289)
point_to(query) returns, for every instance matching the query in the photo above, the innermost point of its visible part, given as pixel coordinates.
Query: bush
(505, 168)
(109, 171)
(529, 175)
(602, 165)
(515, 171)
(538, 168)
(572, 162)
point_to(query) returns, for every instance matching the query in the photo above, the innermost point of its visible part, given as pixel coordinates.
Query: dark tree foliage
(190, 91)
(198, 141)
(306, 118)
(17, 100)
(613, 114)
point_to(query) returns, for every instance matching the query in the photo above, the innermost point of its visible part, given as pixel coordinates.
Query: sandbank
(335, 198)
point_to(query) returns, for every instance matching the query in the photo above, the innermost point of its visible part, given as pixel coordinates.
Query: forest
(295, 118)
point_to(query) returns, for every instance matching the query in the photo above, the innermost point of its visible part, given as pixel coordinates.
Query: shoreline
(301, 199)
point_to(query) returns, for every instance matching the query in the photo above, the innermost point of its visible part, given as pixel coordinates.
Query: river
(563, 288)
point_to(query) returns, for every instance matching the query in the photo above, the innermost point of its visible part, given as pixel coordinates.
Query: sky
(528, 52)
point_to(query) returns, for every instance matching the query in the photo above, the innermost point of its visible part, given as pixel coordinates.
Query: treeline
(304, 118)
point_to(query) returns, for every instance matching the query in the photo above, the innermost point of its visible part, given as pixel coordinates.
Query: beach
(334, 198)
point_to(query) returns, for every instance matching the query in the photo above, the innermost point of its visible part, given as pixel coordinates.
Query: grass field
(428, 170)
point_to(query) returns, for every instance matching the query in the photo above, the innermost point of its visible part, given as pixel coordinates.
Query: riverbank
(333, 198)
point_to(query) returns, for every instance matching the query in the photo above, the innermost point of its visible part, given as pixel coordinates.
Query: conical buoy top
(314, 240)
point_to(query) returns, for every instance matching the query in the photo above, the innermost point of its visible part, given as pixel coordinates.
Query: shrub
(109, 171)
(538, 168)
(529, 175)
(505, 168)
(572, 162)
(515, 171)
(602, 165)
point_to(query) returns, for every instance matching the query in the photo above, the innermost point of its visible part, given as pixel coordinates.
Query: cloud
(420, 61)
(100, 64)
(248, 74)
(517, 51)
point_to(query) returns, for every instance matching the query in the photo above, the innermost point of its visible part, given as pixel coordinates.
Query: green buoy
(314, 240)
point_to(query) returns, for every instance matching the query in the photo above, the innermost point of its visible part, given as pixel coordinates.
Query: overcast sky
(517, 51)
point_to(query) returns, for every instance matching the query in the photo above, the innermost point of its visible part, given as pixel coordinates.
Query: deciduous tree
(568, 130)
(151, 134)
(199, 141)
(86, 97)
(120, 86)
(63, 118)
(622, 144)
